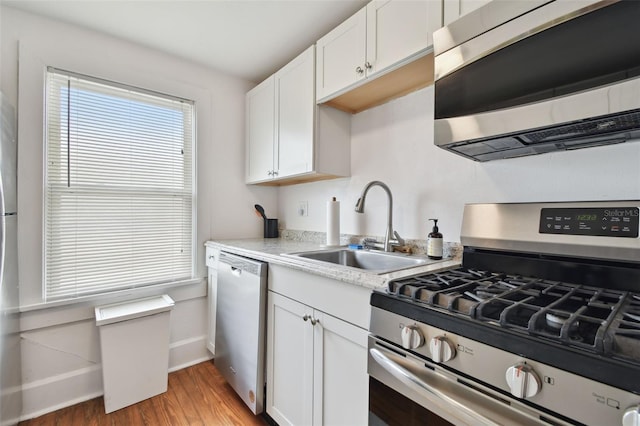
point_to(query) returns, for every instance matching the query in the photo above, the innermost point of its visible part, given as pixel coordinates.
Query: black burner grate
(626, 330)
(595, 319)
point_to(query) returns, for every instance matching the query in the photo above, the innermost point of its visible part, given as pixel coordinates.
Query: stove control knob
(412, 338)
(631, 417)
(523, 381)
(441, 349)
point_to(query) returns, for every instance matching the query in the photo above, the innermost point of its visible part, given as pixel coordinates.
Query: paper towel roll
(333, 222)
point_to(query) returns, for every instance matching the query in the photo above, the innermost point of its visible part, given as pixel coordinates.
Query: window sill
(82, 308)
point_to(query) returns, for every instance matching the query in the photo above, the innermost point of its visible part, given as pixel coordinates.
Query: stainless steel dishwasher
(240, 326)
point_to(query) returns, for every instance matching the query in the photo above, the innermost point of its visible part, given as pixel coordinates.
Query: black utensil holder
(271, 228)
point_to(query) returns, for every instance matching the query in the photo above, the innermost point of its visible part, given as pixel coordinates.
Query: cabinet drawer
(345, 301)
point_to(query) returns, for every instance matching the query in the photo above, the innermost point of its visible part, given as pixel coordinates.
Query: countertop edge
(272, 250)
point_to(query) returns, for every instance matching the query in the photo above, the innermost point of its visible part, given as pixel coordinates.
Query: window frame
(140, 288)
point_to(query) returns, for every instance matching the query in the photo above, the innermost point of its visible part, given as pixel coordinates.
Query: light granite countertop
(271, 250)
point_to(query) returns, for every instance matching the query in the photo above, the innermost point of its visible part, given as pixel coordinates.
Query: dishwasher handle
(240, 265)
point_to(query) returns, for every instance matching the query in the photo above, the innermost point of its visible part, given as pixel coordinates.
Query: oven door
(408, 390)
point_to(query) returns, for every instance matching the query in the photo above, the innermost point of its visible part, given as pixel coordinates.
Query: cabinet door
(341, 383)
(341, 55)
(295, 105)
(453, 9)
(398, 29)
(260, 131)
(289, 361)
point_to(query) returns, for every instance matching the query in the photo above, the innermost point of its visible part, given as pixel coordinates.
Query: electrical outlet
(303, 208)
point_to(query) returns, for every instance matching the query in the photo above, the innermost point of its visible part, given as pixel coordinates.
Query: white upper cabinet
(260, 131)
(377, 38)
(341, 55)
(294, 116)
(288, 137)
(453, 9)
(398, 29)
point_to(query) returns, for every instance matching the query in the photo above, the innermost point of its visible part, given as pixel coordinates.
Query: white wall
(394, 143)
(60, 345)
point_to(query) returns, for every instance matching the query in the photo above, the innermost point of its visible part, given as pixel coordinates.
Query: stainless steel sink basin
(373, 261)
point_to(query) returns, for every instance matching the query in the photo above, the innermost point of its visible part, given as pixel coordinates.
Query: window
(119, 198)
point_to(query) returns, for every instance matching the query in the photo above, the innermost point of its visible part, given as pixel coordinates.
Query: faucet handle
(398, 238)
(371, 243)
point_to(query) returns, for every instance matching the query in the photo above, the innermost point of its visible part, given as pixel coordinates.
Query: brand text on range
(630, 212)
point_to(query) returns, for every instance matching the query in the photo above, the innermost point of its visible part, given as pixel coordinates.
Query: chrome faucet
(388, 243)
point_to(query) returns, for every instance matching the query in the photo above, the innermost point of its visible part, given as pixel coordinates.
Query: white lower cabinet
(211, 260)
(212, 287)
(316, 365)
(340, 380)
(289, 361)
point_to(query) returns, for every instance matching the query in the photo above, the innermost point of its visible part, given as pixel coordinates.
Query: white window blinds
(119, 199)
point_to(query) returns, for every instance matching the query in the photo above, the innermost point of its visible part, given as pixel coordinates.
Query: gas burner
(556, 321)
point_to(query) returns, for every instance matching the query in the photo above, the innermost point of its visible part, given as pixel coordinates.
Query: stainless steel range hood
(524, 78)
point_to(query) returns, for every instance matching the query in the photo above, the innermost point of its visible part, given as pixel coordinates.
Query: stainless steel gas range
(539, 325)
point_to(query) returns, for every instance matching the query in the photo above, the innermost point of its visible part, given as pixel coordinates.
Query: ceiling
(250, 39)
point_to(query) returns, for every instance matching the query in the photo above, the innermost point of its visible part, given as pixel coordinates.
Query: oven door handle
(409, 379)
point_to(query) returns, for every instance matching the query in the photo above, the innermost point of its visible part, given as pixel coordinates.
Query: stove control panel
(571, 396)
(600, 222)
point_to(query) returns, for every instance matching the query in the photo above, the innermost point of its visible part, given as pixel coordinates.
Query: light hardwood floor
(196, 395)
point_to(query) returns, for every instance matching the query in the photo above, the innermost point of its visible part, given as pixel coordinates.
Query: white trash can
(134, 342)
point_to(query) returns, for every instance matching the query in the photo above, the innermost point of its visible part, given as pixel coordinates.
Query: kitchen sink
(374, 261)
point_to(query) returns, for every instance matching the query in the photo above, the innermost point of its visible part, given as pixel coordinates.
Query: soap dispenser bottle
(434, 242)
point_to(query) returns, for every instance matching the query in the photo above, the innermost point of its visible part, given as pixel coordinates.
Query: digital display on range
(600, 222)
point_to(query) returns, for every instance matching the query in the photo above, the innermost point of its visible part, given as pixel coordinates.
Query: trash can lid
(122, 311)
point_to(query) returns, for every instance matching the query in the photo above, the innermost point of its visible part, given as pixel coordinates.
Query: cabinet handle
(368, 65)
(270, 173)
(275, 173)
(359, 70)
(312, 319)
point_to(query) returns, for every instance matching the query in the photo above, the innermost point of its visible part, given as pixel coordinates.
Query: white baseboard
(188, 352)
(60, 391)
(11, 405)
(63, 390)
